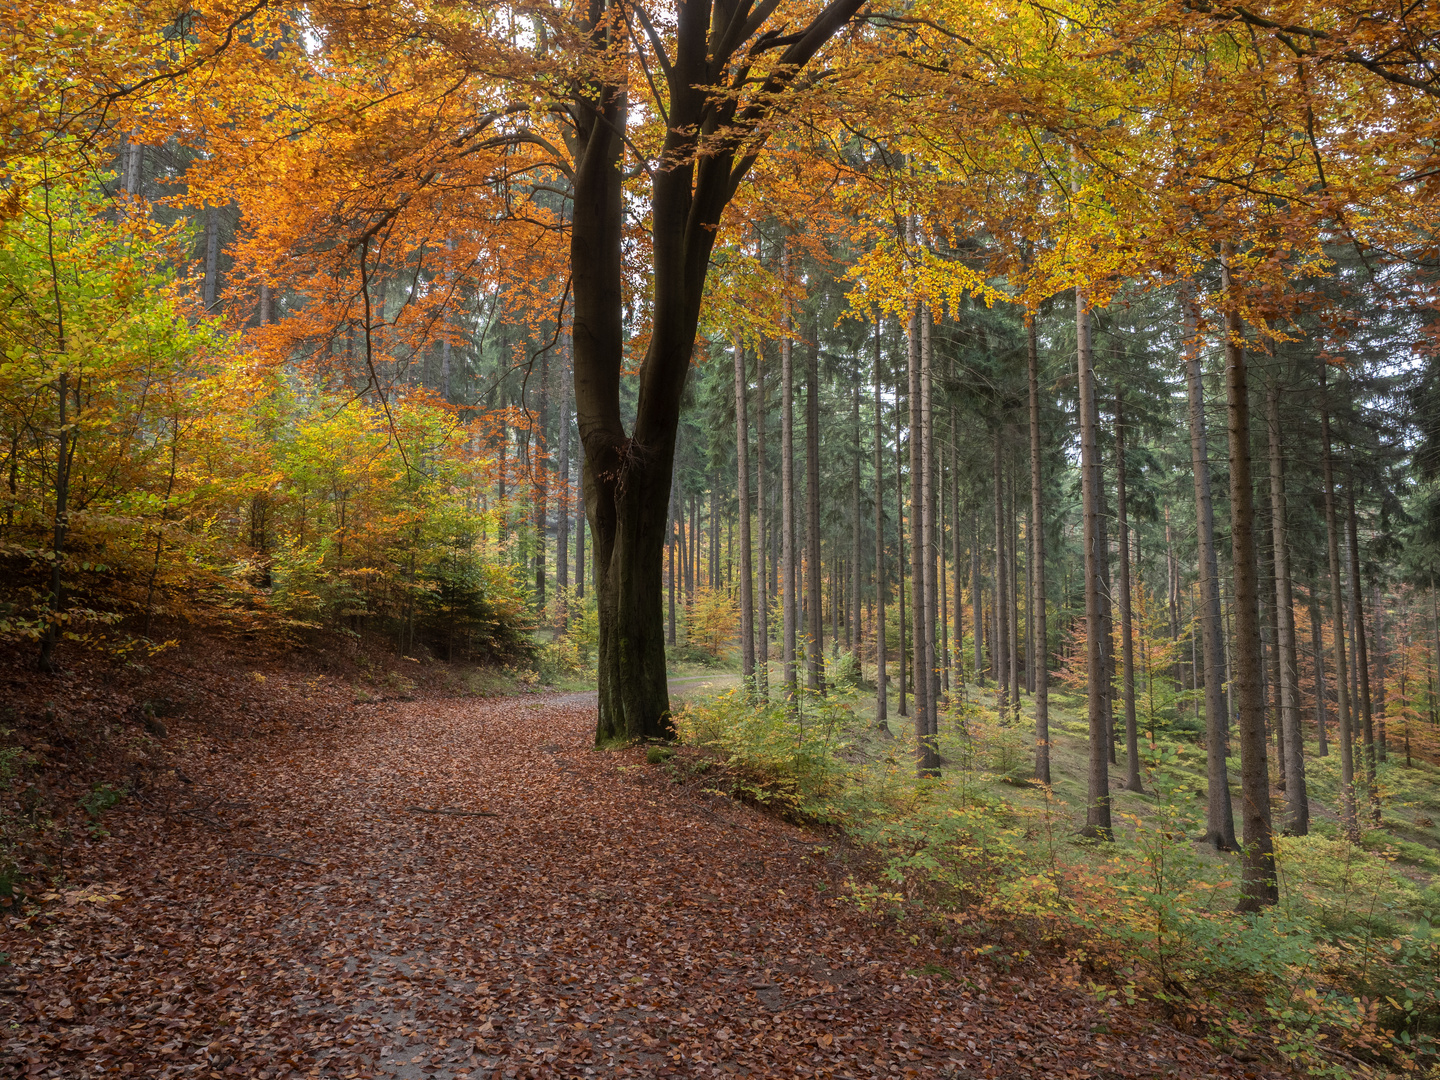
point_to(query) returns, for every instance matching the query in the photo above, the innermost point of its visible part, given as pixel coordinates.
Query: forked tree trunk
(1219, 818)
(1258, 886)
(627, 473)
(1038, 631)
(1097, 800)
(1297, 802)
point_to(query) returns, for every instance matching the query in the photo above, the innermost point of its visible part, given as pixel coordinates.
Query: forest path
(300, 914)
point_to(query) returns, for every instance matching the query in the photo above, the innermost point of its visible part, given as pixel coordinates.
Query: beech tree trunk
(1219, 818)
(1297, 802)
(627, 473)
(1097, 801)
(1038, 630)
(1258, 886)
(1127, 629)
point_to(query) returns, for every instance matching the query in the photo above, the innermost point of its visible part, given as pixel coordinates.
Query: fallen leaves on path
(466, 888)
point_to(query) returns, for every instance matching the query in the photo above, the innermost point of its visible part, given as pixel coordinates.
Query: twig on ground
(451, 813)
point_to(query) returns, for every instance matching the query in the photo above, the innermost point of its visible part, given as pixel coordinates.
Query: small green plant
(658, 755)
(96, 802)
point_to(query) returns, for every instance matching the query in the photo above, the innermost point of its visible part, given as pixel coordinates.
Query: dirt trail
(301, 914)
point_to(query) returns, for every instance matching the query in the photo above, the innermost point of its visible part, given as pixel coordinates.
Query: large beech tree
(715, 110)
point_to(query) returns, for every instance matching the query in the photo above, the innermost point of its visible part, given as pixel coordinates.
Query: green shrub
(778, 755)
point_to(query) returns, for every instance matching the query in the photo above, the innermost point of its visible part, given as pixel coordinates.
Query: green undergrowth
(1341, 977)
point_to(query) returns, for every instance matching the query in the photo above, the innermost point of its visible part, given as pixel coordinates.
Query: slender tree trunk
(1258, 886)
(1317, 648)
(853, 634)
(926, 758)
(1297, 802)
(815, 624)
(900, 568)
(789, 592)
(881, 704)
(1038, 630)
(1097, 801)
(1362, 659)
(931, 607)
(1349, 819)
(1220, 822)
(1013, 551)
(540, 483)
(562, 472)
(64, 456)
(977, 619)
(1378, 607)
(955, 557)
(762, 660)
(673, 543)
(1127, 629)
(742, 488)
(1002, 585)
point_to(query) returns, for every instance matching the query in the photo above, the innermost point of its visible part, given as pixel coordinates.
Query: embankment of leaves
(115, 722)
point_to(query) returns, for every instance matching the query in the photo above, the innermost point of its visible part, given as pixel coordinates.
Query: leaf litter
(461, 888)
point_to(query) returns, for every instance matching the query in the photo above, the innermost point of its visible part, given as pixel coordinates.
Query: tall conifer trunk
(1317, 648)
(814, 575)
(1097, 801)
(926, 758)
(1002, 584)
(742, 489)
(881, 704)
(930, 608)
(1297, 803)
(789, 594)
(1258, 886)
(1038, 631)
(1219, 819)
(1348, 816)
(1362, 662)
(1127, 629)
(762, 659)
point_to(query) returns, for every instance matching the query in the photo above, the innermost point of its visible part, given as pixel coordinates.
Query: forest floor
(453, 886)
